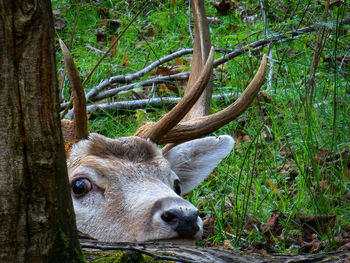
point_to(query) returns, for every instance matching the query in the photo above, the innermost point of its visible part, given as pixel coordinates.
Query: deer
(128, 189)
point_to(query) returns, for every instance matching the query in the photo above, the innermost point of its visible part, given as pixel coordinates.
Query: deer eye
(177, 187)
(81, 187)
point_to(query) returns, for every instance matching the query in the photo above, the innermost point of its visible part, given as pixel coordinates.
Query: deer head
(127, 189)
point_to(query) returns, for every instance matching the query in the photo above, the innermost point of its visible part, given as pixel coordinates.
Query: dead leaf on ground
(325, 157)
(126, 62)
(167, 70)
(321, 156)
(179, 61)
(271, 184)
(310, 224)
(227, 245)
(208, 227)
(148, 31)
(315, 244)
(250, 224)
(288, 170)
(273, 225)
(111, 24)
(240, 137)
(114, 48)
(166, 87)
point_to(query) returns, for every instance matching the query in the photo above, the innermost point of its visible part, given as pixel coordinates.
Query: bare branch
(167, 102)
(92, 95)
(135, 76)
(160, 79)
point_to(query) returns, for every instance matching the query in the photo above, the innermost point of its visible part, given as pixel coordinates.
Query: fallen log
(175, 252)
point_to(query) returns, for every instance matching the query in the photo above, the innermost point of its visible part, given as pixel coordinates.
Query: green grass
(283, 130)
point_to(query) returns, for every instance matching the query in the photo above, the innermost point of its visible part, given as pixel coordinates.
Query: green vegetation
(291, 155)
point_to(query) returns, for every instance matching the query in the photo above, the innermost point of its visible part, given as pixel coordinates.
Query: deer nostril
(171, 217)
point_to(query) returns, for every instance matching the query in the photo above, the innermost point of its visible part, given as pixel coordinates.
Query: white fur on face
(121, 203)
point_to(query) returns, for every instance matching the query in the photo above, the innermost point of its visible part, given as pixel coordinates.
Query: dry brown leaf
(273, 225)
(227, 245)
(126, 62)
(271, 184)
(250, 224)
(179, 61)
(315, 244)
(113, 38)
(167, 70)
(310, 224)
(208, 227)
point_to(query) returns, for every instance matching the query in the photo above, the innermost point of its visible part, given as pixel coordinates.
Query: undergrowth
(290, 156)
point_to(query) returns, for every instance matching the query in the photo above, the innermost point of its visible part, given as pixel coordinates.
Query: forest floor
(285, 188)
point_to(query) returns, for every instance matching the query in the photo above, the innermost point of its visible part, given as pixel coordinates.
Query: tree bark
(192, 254)
(36, 217)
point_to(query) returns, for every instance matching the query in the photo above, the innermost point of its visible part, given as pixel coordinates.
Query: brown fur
(133, 149)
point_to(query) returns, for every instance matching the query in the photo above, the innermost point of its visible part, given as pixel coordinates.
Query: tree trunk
(36, 217)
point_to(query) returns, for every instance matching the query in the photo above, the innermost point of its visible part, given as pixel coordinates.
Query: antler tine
(155, 131)
(80, 128)
(204, 125)
(201, 49)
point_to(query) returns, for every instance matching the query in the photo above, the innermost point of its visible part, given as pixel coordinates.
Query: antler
(77, 129)
(201, 48)
(204, 125)
(196, 99)
(196, 124)
(155, 131)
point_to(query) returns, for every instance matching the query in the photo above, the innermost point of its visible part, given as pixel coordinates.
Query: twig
(160, 79)
(290, 35)
(137, 75)
(142, 104)
(310, 84)
(92, 95)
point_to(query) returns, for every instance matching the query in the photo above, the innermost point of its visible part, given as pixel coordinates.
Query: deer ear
(193, 161)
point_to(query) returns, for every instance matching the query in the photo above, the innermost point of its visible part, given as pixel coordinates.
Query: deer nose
(182, 220)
